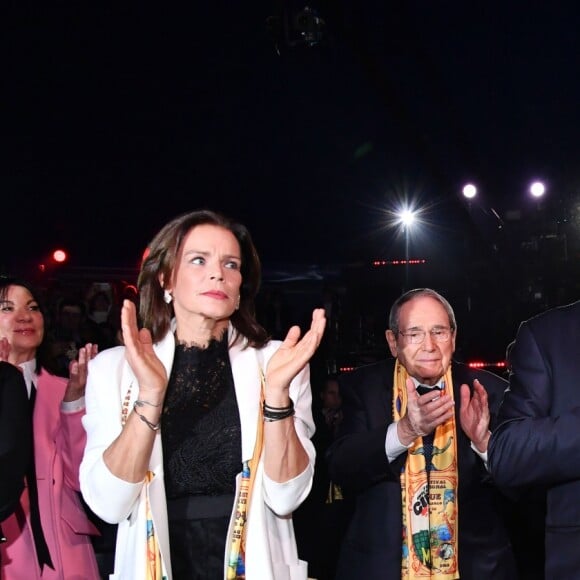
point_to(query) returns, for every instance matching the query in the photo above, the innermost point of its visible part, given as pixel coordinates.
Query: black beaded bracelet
(286, 408)
(277, 413)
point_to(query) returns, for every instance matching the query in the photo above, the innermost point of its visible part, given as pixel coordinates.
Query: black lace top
(200, 424)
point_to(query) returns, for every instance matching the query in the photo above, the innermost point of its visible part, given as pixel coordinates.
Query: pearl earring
(167, 296)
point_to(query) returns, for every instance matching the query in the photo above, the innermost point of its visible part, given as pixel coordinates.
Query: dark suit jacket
(372, 547)
(537, 443)
(15, 437)
(319, 526)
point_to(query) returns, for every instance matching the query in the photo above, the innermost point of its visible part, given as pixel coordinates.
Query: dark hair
(410, 295)
(43, 359)
(161, 258)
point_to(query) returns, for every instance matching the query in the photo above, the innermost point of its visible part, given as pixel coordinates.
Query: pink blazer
(59, 441)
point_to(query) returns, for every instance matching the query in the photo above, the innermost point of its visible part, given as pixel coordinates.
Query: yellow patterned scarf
(236, 549)
(430, 511)
(154, 567)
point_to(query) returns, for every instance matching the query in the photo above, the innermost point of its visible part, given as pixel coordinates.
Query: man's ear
(392, 341)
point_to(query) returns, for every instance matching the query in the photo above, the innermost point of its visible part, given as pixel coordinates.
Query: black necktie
(427, 439)
(42, 551)
(428, 450)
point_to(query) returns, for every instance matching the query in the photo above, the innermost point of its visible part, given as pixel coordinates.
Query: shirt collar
(29, 372)
(438, 384)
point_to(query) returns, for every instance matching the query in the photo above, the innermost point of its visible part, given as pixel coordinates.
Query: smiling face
(22, 323)
(429, 360)
(207, 278)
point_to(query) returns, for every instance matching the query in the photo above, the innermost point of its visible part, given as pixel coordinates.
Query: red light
(346, 369)
(481, 364)
(59, 256)
(146, 252)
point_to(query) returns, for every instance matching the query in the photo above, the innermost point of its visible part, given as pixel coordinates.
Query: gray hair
(411, 295)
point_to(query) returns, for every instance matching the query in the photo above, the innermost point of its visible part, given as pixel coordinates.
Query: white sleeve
(109, 497)
(393, 446)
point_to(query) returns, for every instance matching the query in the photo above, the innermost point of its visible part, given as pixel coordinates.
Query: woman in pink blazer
(59, 440)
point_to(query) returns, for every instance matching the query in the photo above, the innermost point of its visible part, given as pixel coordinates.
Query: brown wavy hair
(160, 261)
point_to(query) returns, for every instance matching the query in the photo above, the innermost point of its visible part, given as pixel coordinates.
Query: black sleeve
(15, 437)
(357, 459)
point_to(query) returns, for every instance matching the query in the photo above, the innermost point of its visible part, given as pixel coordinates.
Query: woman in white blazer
(173, 416)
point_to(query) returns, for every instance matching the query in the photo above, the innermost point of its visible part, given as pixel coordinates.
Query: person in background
(49, 535)
(70, 331)
(535, 449)
(101, 314)
(322, 519)
(15, 435)
(174, 415)
(331, 410)
(412, 448)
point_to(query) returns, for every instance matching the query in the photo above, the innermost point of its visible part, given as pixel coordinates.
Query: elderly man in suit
(413, 448)
(536, 447)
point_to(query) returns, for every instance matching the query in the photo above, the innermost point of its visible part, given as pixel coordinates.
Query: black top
(201, 429)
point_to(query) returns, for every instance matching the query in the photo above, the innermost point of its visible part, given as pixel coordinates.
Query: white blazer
(271, 552)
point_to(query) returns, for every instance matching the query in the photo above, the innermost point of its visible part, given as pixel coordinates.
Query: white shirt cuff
(73, 406)
(393, 446)
(482, 455)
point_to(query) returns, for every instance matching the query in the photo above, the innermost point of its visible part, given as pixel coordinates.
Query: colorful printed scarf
(236, 558)
(429, 497)
(154, 567)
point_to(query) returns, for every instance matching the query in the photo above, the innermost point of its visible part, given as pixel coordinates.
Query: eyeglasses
(418, 336)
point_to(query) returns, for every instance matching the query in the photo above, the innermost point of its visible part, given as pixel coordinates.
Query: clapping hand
(4, 349)
(146, 365)
(294, 353)
(424, 413)
(474, 415)
(78, 370)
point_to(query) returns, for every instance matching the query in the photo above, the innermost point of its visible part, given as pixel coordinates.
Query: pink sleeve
(71, 441)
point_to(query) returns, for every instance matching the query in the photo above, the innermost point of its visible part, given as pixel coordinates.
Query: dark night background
(118, 117)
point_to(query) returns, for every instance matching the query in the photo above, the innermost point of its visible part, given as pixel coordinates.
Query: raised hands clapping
(78, 371)
(294, 353)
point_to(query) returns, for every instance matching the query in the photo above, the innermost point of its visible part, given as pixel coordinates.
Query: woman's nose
(24, 314)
